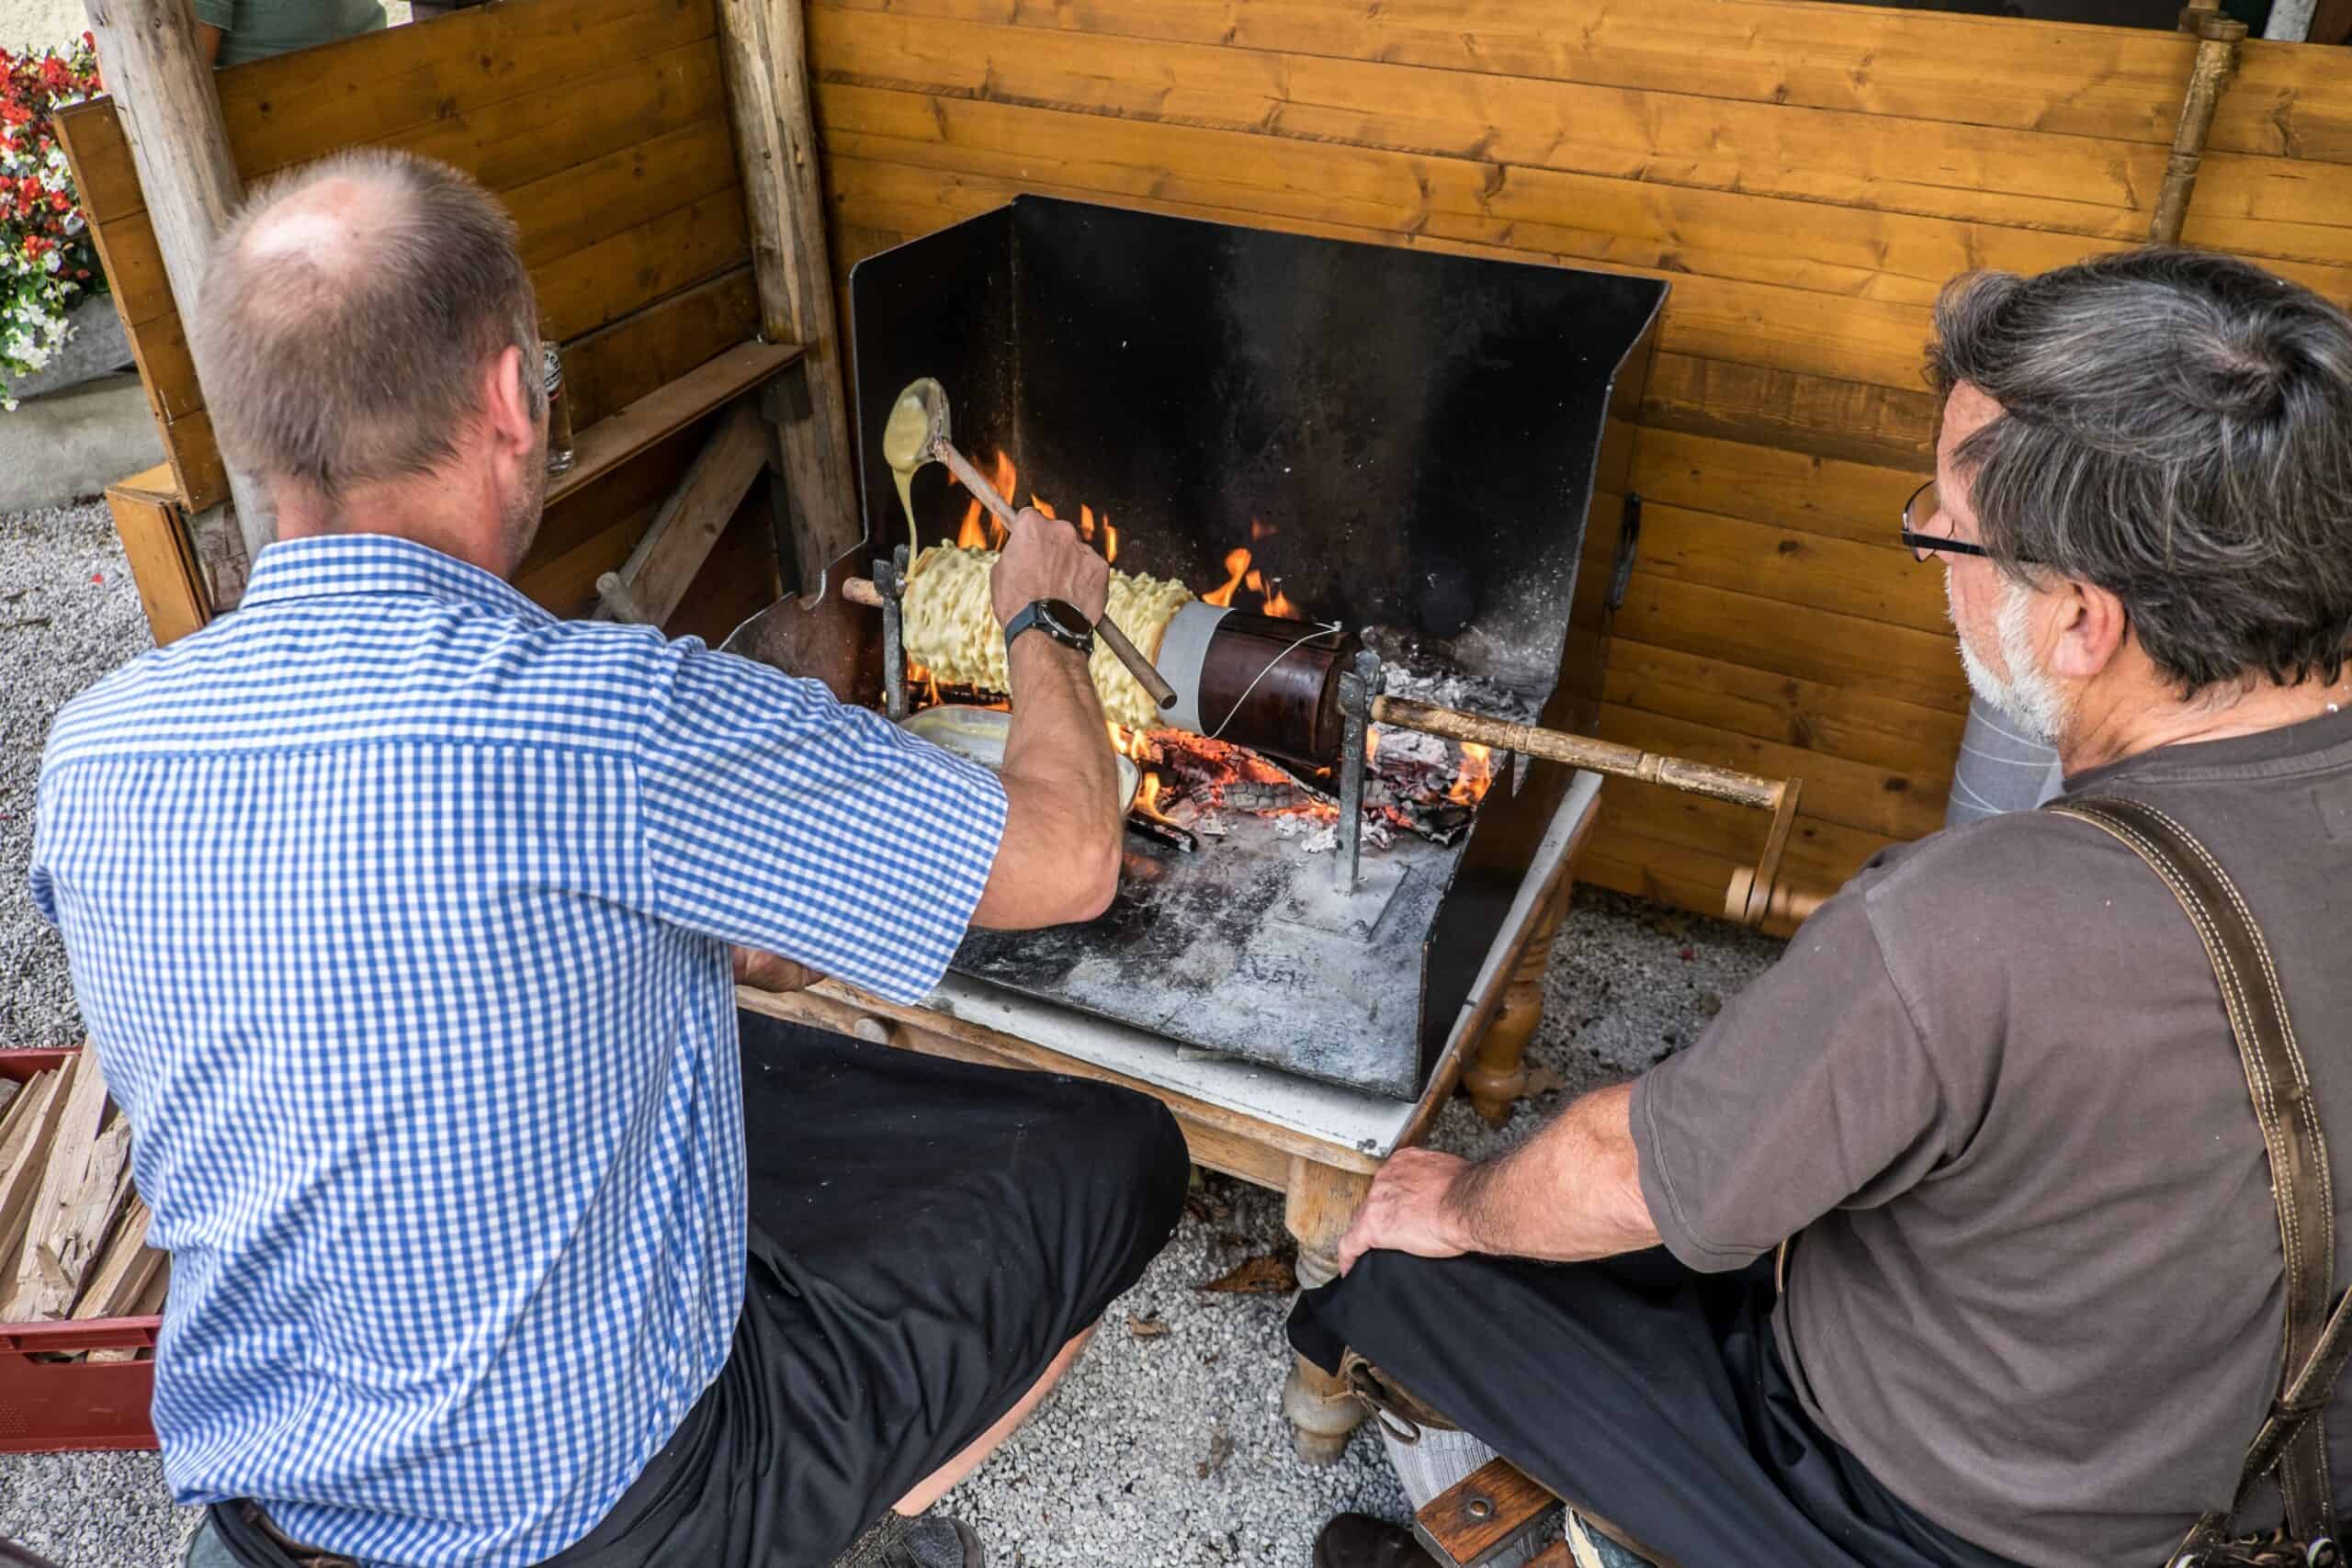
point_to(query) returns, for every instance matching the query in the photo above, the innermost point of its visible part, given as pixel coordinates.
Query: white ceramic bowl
(979, 734)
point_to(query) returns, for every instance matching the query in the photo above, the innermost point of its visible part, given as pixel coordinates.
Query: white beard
(2029, 698)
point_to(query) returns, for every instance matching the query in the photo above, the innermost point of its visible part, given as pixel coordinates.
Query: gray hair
(2176, 427)
(339, 366)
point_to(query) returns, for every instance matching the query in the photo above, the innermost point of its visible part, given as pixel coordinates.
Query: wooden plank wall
(1805, 174)
(602, 124)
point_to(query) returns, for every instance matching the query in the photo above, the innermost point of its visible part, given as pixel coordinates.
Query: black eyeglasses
(1923, 545)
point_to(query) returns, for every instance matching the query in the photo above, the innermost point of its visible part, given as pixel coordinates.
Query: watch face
(1064, 619)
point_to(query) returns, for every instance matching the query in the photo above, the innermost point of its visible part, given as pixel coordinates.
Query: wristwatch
(1058, 619)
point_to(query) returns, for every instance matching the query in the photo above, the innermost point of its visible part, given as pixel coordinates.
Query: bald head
(347, 318)
(325, 229)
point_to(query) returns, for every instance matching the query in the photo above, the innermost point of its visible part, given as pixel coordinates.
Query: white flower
(52, 261)
(74, 225)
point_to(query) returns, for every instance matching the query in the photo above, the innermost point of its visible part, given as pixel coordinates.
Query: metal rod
(1582, 752)
(1181, 840)
(887, 576)
(1359, 688)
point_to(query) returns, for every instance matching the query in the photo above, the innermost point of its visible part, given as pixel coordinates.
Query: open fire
(1418, 784)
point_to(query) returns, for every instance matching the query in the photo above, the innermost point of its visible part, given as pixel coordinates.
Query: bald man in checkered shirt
(406, 919)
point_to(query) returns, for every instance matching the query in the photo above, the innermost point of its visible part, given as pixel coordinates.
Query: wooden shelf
(607, 444)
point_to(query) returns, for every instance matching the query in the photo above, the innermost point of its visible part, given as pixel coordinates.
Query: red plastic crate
(50, 1406)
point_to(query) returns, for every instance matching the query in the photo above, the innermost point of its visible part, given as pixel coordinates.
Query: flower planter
(93, 346)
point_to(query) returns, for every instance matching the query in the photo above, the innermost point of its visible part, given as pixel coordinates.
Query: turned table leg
(1318, 1204)
(1496, 1075)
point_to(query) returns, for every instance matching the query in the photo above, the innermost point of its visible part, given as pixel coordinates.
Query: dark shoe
(1359, 1541)
(934, 1540)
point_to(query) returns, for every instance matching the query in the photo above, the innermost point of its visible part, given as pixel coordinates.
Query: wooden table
(1317, 1144)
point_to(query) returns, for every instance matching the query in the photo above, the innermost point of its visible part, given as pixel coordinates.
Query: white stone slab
(1369, 1123)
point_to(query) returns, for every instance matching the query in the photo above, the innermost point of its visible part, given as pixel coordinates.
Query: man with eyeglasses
(2029, 1311)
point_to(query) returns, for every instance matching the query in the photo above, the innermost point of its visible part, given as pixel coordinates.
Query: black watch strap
(1058, 619)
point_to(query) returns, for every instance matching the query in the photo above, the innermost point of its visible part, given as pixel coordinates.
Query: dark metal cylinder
(1257, 690)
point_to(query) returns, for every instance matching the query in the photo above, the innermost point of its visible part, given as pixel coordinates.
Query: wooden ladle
(917, 435)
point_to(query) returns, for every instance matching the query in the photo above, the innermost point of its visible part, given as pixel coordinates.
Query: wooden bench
(1497, 1505)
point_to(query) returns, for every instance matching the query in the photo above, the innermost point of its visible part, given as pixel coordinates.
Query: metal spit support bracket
(1358, 897)
(1359, 686)
(889, 576)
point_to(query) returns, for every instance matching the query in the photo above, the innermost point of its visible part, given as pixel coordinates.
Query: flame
(1042, 504)
(1477, 775)
(1132, 744)
(1110, 540)
(1085, 522)
(1237, 562)
(973, 536)
(1147, 798)
(1276, 604)
(1260, 532)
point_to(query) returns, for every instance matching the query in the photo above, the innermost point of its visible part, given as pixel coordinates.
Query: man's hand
(1410, 1209)
(766, 972)
(1044, 559)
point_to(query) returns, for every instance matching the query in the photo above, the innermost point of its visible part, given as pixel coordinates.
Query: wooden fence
(603, 125)
(1807, 175)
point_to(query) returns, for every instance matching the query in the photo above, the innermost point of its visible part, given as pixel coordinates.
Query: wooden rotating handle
(1755, 894)
(1581, 751)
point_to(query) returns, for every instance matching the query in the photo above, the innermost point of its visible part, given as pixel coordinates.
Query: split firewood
(24, 1147)
(149, 1305)
(81, 1189)
(125, 1271)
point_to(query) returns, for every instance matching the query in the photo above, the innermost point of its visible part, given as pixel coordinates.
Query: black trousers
(1636, 1389)
(926, 1238)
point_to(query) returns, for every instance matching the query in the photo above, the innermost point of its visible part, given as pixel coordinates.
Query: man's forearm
(1571, 1194)
(1059, 860)
(1058, 732)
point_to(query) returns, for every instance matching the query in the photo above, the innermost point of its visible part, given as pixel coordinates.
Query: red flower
(37, 244)
(58, 202)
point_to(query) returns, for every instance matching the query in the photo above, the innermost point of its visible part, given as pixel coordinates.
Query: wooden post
(171, 116)
(2217, 53)
(761, 49)
(1317, 1202)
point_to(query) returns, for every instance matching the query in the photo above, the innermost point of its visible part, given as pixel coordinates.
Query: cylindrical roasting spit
(1269, 685)
(1275, 686)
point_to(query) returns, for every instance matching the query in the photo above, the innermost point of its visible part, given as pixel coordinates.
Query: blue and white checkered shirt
(399, 912)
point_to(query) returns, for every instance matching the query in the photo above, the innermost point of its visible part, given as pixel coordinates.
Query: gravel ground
(1160, 1452)
(68, 613)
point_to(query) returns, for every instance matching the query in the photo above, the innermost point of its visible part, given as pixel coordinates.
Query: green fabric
(256, 29)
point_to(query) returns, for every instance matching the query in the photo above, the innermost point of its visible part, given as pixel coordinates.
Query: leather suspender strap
(2316, 1342)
